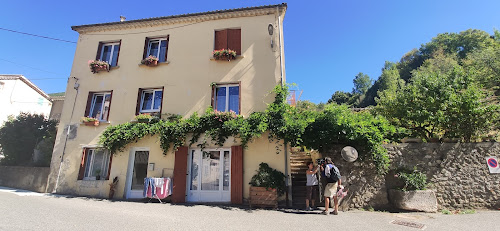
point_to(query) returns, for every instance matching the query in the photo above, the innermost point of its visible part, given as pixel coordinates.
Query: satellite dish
(349, 154)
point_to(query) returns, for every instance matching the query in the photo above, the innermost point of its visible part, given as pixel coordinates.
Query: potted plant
(150, 61)
(98, 65)
(98, 174)
(143, 118)
(265, 186)
(410, 192)
(89, 121)
(224, 54)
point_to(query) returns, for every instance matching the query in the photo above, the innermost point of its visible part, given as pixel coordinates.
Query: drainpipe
(287, 177)
(77, 85)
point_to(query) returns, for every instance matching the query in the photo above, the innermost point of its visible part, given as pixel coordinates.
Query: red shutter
(213, 96)
(180, 172)
(166, 49)
(99, 48)
(220, 40)
(81, 172)
(89, 104)
(138, 107)
(162, 96)
(109, 109)
(118, 55)
(234, 40)
(109, 167)
(237, 175)
(146, 45)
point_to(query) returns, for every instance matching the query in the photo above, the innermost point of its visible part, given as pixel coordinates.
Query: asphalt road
(21, 210)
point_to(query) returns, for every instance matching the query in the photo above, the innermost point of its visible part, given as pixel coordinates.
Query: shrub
(269, 178)
(412, 179)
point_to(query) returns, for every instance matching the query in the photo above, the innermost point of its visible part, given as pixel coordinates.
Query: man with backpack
(332, 175)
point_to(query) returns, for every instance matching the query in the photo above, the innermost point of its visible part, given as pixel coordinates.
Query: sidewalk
(38, 211)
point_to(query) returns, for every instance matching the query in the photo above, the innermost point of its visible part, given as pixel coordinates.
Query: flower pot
(97, 177)
(153, 63)
(92, 123)
(99, 68)
(263, 197)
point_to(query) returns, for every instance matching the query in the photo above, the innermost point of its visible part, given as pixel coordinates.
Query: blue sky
(326, 42)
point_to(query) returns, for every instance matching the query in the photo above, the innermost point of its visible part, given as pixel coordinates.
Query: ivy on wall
(314, 129)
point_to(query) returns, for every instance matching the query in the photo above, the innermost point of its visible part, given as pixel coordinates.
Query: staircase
(298, 161)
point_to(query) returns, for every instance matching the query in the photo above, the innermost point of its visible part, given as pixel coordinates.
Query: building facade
(18, 94)
(186, 80)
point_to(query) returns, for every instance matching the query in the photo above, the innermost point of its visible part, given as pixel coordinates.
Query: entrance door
(137, 171)
(209, 175)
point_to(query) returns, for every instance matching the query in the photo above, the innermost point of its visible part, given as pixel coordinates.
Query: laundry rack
(157, 188)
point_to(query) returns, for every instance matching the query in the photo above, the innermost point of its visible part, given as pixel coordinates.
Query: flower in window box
(89, 121)
(150, 61)
(98, 65)
(143, 118)
(224, 54)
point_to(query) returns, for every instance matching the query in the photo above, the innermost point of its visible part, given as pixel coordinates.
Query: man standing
(311, 185)
(332, 174)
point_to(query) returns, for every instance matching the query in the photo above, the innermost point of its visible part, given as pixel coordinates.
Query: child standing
(311, 185)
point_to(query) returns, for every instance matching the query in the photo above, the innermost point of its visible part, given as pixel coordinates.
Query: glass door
(209, 175)
(140, 170)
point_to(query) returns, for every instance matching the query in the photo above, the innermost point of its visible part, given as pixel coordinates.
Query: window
(95, 164)
(228, 39)
(109, 52)
(98, 105)
(227, 98)
(150, 100)
(157, 47)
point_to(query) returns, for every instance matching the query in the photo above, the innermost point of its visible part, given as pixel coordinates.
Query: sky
(326, 42)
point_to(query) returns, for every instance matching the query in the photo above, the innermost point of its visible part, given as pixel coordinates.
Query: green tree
(362, 83)
(20, 136)
(340, 97)
(439, 102)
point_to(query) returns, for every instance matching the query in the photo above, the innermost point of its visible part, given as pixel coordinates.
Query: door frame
(221, 165)
(130, 169)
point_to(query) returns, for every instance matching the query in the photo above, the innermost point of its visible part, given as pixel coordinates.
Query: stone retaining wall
(29, 178)
(457, 173)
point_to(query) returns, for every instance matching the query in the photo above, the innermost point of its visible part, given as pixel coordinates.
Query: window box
(224, 54)
(150, 61)
(89, 121)
(96, 66)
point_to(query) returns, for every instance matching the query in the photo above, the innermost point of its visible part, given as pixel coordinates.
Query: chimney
(122, 18)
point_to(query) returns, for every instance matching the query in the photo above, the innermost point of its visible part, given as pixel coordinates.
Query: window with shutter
(228, 39)
(157, 47)
(109, 52)
(99, 105)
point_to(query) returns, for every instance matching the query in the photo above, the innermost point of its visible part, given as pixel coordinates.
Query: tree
(340, 97)
(21, 135)
(362, 83)
(440, 102)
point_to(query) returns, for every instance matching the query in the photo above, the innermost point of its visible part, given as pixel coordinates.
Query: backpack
(334, 175)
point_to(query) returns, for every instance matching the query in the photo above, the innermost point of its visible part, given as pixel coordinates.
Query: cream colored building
(181, 83)
(18, 94)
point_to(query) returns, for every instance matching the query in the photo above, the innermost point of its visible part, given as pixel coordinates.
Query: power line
(34, 68)
(35, 35)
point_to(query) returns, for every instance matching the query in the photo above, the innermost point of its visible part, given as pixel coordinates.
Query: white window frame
(227, 96)
(92, 106)
(112, 44)
(88, 175)
(159, 40)
(143, 92)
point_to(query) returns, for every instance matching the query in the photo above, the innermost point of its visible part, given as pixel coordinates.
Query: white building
(18, 94)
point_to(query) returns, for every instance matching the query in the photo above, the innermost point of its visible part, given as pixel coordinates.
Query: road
(22, 210)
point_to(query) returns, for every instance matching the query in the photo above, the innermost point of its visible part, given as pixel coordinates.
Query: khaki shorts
(331, 190)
